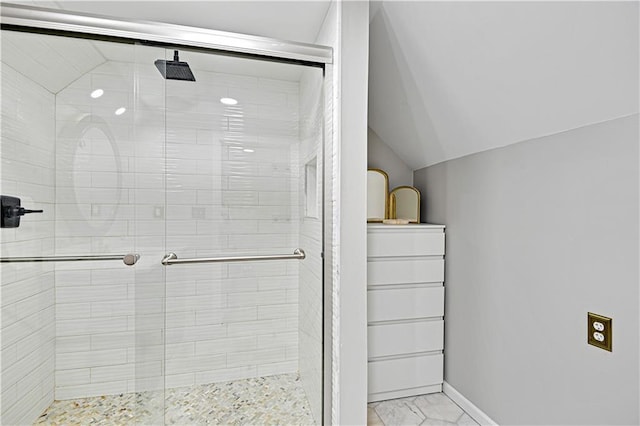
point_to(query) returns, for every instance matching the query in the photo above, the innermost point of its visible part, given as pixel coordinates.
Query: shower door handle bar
(172, 258)
(129, 259)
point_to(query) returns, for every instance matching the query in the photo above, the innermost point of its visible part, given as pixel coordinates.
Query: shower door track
(170, 34)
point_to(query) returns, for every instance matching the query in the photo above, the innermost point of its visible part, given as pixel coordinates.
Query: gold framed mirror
(405, 204)
(377, 195)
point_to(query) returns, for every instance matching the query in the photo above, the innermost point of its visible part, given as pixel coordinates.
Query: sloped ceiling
(52, 62)
(448, 79)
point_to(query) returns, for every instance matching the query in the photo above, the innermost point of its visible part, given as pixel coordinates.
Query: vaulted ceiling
(448, 79)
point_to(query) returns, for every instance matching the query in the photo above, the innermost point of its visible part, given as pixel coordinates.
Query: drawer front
(404, 243)
(406, 338)
(390, 304)
(404, 271)
(405, 373)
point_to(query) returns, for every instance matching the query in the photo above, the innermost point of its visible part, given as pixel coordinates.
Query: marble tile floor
(432, 409)
(272, 400)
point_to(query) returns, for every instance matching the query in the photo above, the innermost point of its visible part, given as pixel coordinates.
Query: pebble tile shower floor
(273, 400)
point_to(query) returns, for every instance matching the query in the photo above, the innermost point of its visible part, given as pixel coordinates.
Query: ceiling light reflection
(97, 93)
(228, 101)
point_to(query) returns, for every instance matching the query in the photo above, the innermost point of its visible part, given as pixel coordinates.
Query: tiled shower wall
(232, 187)
(232, 191)
(27, 291)
(103, 204)
(310, 309)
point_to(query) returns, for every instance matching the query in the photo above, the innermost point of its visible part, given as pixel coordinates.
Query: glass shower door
(148, 161)
(243, 161)
(109, 144)
(125, 160)
(82, 289)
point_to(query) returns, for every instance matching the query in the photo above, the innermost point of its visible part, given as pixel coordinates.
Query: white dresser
(405, 297)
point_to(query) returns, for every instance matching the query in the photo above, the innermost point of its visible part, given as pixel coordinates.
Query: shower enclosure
(175, 275)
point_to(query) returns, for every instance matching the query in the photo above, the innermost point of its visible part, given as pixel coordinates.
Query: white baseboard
(477, 414)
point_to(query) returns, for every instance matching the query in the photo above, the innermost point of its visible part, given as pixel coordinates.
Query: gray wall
(380, 156)
(539, 233)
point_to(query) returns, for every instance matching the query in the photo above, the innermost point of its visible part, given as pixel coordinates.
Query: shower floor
(272, 400)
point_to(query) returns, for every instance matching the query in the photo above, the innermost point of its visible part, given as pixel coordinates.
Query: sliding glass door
(243, 155)
(174, 274)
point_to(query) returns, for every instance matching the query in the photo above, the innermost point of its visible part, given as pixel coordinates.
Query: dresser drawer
(404, 271)
(405, 338)
(410, 242)
(405, 373)
(390, 304)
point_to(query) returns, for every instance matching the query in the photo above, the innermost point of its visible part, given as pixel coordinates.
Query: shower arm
(172, 258)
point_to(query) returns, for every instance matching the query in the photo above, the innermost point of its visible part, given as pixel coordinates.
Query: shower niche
(311, 188)
(220, 161)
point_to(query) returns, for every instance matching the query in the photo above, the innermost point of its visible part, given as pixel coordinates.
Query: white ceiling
(448, 79)
(52, 62)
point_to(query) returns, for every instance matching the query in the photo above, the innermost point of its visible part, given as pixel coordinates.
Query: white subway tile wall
(235, 181)
(96, 184)
(27, 290)
(232, 186)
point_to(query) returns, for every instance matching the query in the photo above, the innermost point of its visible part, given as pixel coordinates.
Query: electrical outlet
(599, 331)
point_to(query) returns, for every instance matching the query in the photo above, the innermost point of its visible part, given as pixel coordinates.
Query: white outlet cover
(598, 336)
(598, 326)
